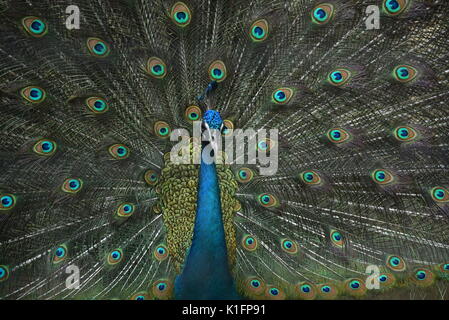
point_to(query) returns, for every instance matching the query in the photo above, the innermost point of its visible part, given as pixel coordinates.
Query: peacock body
(358, 206)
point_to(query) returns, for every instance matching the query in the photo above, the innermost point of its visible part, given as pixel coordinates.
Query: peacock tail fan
(94, 204)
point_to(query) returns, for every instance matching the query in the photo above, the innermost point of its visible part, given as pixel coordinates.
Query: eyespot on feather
(7, 201)
(404, 73)
(162, 289)
(115, 256)
(268, 200)
(60, 254)
(217, 71)
(259, 30)
(395, 263)
(4, 273)
(249, 242)
(339, 77)
(306, 290)
(282, 95)
(151, 177)
(193, 113)
(45, 147)
(322, 13)
(33, 94)
(119, 151)
(72, 185)
(162, 129)
(97, 105)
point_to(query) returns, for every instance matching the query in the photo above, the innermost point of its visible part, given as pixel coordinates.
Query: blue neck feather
(206, 272)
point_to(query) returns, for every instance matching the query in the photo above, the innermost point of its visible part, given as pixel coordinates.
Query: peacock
(357, 203)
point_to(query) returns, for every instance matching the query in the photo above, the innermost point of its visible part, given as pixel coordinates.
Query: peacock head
(212, 120)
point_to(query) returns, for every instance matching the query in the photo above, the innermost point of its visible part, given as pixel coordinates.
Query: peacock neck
(206, 272)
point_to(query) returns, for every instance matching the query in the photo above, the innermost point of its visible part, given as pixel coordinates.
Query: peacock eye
(386, 279)
(440, 194)
(151, 177)
(193, 113)
(444, 267)
(339, 77)
(268, 200)
(4, 273)
(161, 289)
(326, 289)
(394, 7)
(274, 291)
(395, 263)
(381, 176)
(156, 68)
(282, 95)
(249, 243)
(289, 246)
(217, 71)
(355, 287)
(420, 275)
(265, 144)
(338, 135)
(354, 284)
(72, 185)
(97, 105)
(45, 147)
(125, 209)
(322, 13)
(228, 127)
(310, 177)
(162, 129)
(255, 283)
(34, 26)
(97, 47)
(423, 277)
(405, 133)
(115, 256)
(119, 151)
(60, 254)
(213, 119)
(259, 30)
(180, 14)
(305, 288)
(245, 175)
(7, 201)
(404, 73)
(337, 239)
(161, 252)
(33, 94)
